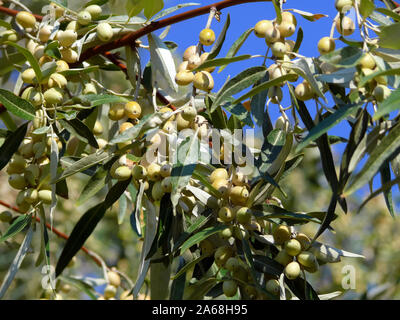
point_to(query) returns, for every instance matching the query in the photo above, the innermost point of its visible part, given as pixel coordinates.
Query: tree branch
(55, 231)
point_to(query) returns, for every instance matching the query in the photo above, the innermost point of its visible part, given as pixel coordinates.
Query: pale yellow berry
(207, 37)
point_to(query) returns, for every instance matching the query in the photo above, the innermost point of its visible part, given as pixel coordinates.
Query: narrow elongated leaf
(16, 105)
(187, 267)
(222, 62)
(309, 16)
(328, 123)
(273, 212)
(220, 40)
(389, 72)
(389, 144)
(162, 61)
(188, 155)
(8, 61)
(270, 150)
(200, 236)
(15, 265)
(366, 7)
(99, 99)
(299, 40)
(151, 7)
(94, 185)
(17, 226)
(32, 61)
(240, 82)
(264, 86)
(83, 164)
(173, 9)
(346, 57)
(388, 36)
(236, 46)
(11, 144)
(81, 131)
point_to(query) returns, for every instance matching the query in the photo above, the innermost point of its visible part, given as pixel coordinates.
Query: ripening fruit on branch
(222, 254)
(278, 49)
(116, 112)
(110, 292)
(206, 248)
(229, 287)
(367, 61)
(326, 45)
(57, 80)
(289, 17)
(286, 28)
(292, 270)
(345, 26)
(26, 19)
(304, 91)
(189, 52)
(53, 96)
(122, 173)
(94, 10)
(84, 18)
(292, 247)
(189, 113)
(282, 124)
(307, 259)
(273, 287)
(61, 66)
(203, 80)
(203, 58)
(272, 35)
(239, 195)
(6, 216)
(193, 62)
(381, 92)
(67, 37)
(153, 171)
(69, 55)
(304, 240)
(207, 37)
(97, 128)
(45, 196)
(157, 191)
(281, 234)
(219, 173)
(28, 76)
(17, 181)
(104, 31)
(343, 6)
(261, 28)
(184, 78)
(243, 215)
(133, 110)
(226, 214)
(32, 95)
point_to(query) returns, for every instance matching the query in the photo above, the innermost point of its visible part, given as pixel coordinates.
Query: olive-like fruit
(31, 195)
(206, 248)
(45, 196)
(189, 52)
(72, 25)
(343, 6)
(17, 163)
(6, 216)
(292, 270)
(222, 254)
(273, 287)
(239, 195)
(292, 247)
(114, 279)
(345, 26)
(207, 37)
(104, 31)
(239, 178)
(69, 55)
(326, 45)
(229, 287)
(203, 80)
(272, 35)
(275, 71)
(17, 181)
(261, 28)
(193, 62)
(367, 61)
(165, 170)
(153, 171)
(181, 123)
(67, 37)
(222, 186)
(57, 80)
(243, 215)
(307, 259)
(226, 233)
(138, 172)
(232, 264)
(122, 173)
(289, 17)
(189, 113)
(281, 234)
(303, 91)
(110, 292)
(44, 33)
(184, 78)
(226, 214)
(157, 191)
(89, 88)
(9, 35)
(133, 110)
(84, 18)
(125, 126)
(166, 184)
(97, 128)
(26, 19)
(304, 240)
(278, 49)
(94, 10)
(53, 96)
(61, 66)
(219, 173)
(282, 124)
(286, 28)
(116, 112)
(203, 58)
(381, 92)
(28, 75)
(283, 258)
